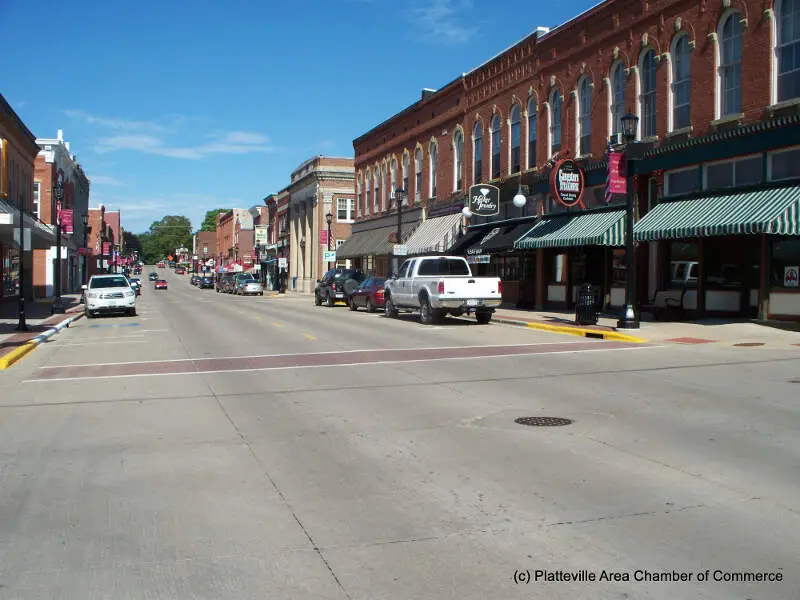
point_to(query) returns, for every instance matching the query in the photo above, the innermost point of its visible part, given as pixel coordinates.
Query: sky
(182, 106)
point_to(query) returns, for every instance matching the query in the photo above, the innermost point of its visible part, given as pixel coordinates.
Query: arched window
(647, 100)
(531, 133)
(384, 186)
(730, 65)
(360, 196)
(618, 76)
(585, 117)
(555, 121)
(477, 146)
(681, 84)
(405, 176)
(368, 186)
(434, 153)
(515, 140)
(418, 174)
(458, 155)
(377, 179)
(788, 49)
(392, 181)
(494, 134)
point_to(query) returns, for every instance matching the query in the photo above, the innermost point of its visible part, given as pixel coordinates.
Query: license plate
(472, 303)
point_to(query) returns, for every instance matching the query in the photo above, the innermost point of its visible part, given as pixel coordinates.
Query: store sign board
(261, 234)
(484, 200)
(791, 276)
(567, 182)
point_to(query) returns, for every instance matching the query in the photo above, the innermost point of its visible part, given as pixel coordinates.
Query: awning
(372, 242)
(434, 235)
(772, 210)
(465, 241)
(499, 239)
(7, 213)
(602, 228)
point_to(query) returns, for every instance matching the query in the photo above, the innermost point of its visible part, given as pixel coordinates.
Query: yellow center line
(308, 336)
(257, 317)
(277, 324)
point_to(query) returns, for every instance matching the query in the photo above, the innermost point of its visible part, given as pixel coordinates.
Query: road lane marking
(323, 353)
(258, 317)
(277, 324)
(308, 336)
(339, 365)
(101, 343)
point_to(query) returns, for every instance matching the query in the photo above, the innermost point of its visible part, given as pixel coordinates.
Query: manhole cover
(749, 344)
(543, 421)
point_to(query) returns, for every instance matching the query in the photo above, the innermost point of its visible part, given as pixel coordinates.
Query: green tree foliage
(164, 236)
(131, 242)
(210, 220)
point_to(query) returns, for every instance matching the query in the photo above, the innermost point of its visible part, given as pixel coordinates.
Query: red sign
(65, 216)
(616, 175)
(323, 237)
(106, 248)
(566, 182)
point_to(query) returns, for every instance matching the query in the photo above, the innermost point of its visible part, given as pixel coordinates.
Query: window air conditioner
(615, 139)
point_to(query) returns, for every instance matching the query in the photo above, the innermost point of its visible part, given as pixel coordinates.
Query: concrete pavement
(388, 479)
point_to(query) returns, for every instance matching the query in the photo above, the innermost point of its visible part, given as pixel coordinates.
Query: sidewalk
(731, 332)
(41, 324)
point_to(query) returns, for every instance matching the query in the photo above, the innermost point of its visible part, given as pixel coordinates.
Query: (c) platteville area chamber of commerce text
(646, 576)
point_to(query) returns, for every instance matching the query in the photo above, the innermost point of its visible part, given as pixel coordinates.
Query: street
(217, 446)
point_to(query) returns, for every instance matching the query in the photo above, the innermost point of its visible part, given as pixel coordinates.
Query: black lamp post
(399, 196)
(21, 324)
(629, 320)
(85, 222)
(58, 307)
(329, 220)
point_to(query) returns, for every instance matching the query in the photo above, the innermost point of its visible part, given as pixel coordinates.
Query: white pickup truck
(441, 285)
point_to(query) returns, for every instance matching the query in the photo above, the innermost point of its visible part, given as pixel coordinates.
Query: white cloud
(115, 123)
(442, 21)
(105, 180)
(235, 142)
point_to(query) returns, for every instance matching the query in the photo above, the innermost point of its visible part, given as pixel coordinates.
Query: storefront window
(529, 267)
(618, 267)
(684, 265)
(734, 173)
(10, 272)
(785, 270)
(508, 269)
(784, 165)
(684, 181)
(559, 270)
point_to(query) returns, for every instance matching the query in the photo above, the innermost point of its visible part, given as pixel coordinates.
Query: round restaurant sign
(566, 182)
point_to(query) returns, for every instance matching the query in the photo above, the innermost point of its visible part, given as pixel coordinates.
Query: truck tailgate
(467, 288)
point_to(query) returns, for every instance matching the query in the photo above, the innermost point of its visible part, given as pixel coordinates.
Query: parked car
(245, 284)
(153, 276)
(225, 282)
(195, 279)
(369, 295)
(136, 284)
(109, 294)
(161, 265)
(441, 285)
(180, 270)
(337, 284)
(161, 284)
(206, 283)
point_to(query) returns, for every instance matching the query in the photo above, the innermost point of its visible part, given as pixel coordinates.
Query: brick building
(18, 150)
(716, 91)
(235, 240)
(277, 246)
(204, 247)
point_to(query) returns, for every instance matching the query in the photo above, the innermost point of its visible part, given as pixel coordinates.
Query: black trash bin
(586, 308)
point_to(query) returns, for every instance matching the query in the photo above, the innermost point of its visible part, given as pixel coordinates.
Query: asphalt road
(223, 447)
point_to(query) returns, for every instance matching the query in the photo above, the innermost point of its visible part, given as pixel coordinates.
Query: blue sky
(178, 106)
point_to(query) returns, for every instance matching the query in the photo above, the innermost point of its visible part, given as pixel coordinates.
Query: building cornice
(27, 136)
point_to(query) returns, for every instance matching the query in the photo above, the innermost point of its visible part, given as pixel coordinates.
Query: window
(682, 181)
(458, 154)
(684, 265)
(681, 85)
(559, 272)
(377, 180)
(585, 117)
(734, 173)
(434, 152)
(384, 186)
(618, 76)
(647, 100)
(515, 140)
(785, 253)
(405, 176)
(531, 133)
(784, 164)
(730, 66)
(36, 209)
(443, 266)
(392, 181)
(494, 135)
(368, 185)
(344, 209)
(477, 145)
(418, 174)
(787, 49)
(555, 122)
(360, 197)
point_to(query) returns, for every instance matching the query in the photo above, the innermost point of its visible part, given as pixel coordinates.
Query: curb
(18, 354)
(578, 331)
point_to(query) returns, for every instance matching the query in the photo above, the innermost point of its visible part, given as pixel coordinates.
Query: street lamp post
(629, 320)
(21, 324)
(329, 220)
(399, 196)
(85, 222)
(58, 307)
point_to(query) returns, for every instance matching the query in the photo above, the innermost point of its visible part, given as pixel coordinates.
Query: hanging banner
(567, 182)
(65, 216)
(323, 237)
(106, 248)
(261, 235)
(484, 200)
(616, 174)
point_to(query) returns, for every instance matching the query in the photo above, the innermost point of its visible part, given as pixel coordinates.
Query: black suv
(337, 284)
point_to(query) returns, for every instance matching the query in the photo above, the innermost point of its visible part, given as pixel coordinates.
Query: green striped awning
(771, 210)
(606, 228)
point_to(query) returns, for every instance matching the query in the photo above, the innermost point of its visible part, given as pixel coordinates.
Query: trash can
(586, 308)
(294, 282)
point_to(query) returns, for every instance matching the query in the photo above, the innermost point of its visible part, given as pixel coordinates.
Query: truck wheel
(317, 299)
(483, 317)
(389, 309)
(329, 302)
(352, 303)
(370, 305)
(426, 314)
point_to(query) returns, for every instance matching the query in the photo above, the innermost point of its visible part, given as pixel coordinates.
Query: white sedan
(109, 294)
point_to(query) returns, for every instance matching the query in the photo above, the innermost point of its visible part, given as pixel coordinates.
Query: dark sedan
(369, 295)
(205, 283)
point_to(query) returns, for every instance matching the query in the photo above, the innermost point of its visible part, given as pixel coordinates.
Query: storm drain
(543, 421)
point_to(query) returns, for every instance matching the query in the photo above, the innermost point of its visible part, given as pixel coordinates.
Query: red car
(369, 295)
(161, 284)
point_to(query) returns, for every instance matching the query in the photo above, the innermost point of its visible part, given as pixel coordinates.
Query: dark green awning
(604, 228)
(771, 210)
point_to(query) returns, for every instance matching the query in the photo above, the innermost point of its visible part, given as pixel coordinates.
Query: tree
(131, 242)
(164, 236)
(210, 220)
